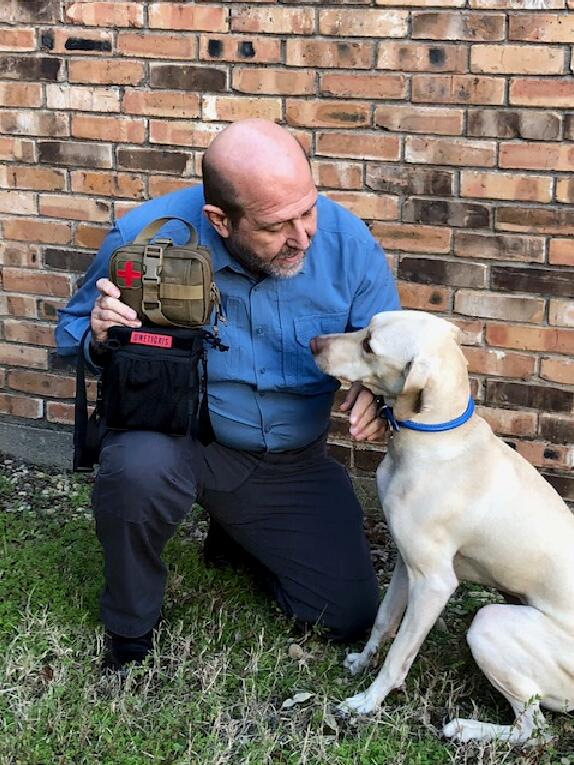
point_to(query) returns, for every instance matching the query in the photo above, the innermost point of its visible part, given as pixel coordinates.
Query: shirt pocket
(307, 327)
(226, 365)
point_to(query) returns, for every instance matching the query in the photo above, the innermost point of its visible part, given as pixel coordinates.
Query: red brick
(107, 184)
(116, 129)
(471, 331)
(18, 305)
(20, 94)
(21, 406)
(63, 37)
(37, 178)
(105, 72)
(325, 113)
(106, 14)
(160, 185)
(329, 54)
(63, 414)
(498, 363)
(363, 23)
(548, 339)
(437, 25)
(362, 145)
(558, 428)
(157, 45)
(359, 85)
(18, 202)
(537, 156)
(541, 27)
(30, 332)
(367, 206)
(39, 384)
(557, 370)
(411, 238)
(425, 3)
(33, 230)
(121, 208)
(495, 306)
(565, 190)
(533, 91)
(524, 123)
(421, 57)
(337, 174)
(232, 108)
(23, 356)
(192, 17)
(240, 48)
(182, 133)
(420, 119)
(561, 312)
(517, 59)
(90, 236)
(17, 39)
(83, 99)
(505, 422)
(544, 454)
(274, 81)
(16, 148)
(457, 89)
(37, 282)
(423, 297)
(164, 103)
(561, 252)
(495, 185)
(450, 151)
(469, 244)
(34, 123)
(74, 208)
(19, 255)
(519, 5)
(279, 21)
(539, 220)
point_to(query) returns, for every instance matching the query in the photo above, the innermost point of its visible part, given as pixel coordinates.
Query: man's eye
(367, 345)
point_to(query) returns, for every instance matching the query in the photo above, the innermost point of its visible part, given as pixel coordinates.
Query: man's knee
(354, 613)
(141, 476)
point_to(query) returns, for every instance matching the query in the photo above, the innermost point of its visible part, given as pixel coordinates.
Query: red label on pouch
(146, 338)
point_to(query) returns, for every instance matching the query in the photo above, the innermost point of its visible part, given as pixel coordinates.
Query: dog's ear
(456, 333)
(416, 373)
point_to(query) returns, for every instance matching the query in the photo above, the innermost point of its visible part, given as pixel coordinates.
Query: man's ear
(218, 220)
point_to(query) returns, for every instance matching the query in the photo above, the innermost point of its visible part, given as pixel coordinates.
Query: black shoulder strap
(81, 411)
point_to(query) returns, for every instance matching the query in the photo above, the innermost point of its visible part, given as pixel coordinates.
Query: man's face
(272, 237)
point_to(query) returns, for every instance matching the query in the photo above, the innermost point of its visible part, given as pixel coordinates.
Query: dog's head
(399, 353)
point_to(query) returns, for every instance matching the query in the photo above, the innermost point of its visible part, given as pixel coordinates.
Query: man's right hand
(109, 311)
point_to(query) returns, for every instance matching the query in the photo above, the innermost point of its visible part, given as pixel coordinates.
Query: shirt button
(262, 371)
(259, 330)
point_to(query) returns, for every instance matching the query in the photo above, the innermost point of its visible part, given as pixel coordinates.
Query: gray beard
(258, 267)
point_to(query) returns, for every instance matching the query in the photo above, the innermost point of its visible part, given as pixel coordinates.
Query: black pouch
(150, 381)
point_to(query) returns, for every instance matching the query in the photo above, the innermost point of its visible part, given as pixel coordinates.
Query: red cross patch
(128, 274)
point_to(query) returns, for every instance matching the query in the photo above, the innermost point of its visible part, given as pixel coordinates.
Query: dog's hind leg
(388, 618)
(529, 659)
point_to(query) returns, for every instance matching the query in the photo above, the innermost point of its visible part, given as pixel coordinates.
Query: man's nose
(318, 344)
(298, 236)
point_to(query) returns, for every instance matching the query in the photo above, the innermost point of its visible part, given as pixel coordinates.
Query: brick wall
(448, 125)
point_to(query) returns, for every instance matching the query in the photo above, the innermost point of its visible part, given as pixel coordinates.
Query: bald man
(290, 264)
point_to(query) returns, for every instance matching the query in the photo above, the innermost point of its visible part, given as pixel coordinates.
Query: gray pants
(294, 512)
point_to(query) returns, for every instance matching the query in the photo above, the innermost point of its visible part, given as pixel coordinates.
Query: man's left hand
(365, 425)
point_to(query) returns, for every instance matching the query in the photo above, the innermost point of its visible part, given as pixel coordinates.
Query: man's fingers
(106, 287)
(351, 396)
(365, 400)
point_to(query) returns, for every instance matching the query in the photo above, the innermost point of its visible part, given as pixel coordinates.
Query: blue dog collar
(387, 412)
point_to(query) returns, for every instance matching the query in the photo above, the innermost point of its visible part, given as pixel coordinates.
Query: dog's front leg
(388, 618)
(428, 595)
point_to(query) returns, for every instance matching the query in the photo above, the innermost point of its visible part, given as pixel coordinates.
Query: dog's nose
(317, 344)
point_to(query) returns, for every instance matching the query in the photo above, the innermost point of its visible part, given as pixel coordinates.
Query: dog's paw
(356, 662)
(362, 703)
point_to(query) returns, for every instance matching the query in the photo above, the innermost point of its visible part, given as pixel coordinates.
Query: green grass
(225, 662)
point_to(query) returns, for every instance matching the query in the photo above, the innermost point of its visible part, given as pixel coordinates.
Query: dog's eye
(367, 345)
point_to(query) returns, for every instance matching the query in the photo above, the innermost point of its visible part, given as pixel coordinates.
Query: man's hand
(109, 311)
(365, 425)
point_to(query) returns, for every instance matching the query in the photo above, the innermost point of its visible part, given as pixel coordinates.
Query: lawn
(231, 681)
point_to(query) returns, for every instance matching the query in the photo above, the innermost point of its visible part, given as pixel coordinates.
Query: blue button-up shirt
(265, 392)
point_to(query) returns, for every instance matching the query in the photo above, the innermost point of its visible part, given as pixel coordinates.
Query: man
(290, 265)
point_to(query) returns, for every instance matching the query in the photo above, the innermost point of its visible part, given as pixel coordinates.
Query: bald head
(249, 157)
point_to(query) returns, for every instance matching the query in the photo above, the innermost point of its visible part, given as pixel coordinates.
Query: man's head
(260, 196)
